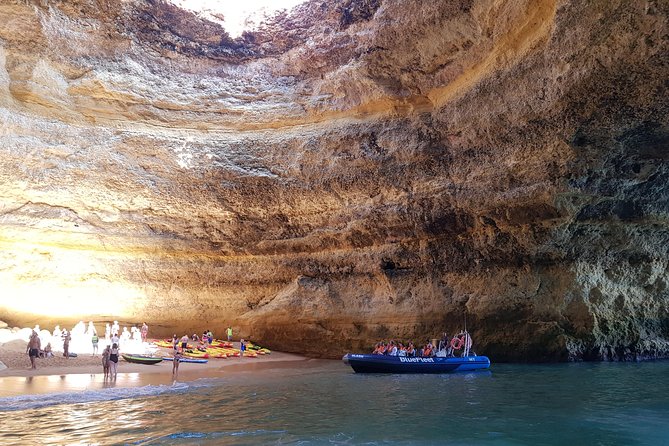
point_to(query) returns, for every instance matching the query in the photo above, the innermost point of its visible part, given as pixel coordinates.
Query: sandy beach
(58, 374)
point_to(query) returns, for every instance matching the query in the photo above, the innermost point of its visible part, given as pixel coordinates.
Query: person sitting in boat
(378, 348)
(411, 350)
(445, 343)
(402, 350)
(195, 338)
(392, 349)
(428, 350)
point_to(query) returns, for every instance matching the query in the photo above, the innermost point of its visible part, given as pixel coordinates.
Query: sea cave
(341, 172)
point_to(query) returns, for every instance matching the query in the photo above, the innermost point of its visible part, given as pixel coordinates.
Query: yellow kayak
(258, 349)
(195, 354)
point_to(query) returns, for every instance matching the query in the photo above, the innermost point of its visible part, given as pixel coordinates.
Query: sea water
(326, 403)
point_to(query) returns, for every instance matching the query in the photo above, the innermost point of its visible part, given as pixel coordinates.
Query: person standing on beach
(32, 349)
(175, 363)
(145, 331)
(242, 347)
(95, 340)
(66, 343)
(105, 361)
(115, 339)
(184, 342)
(229, 332)
(113, 360)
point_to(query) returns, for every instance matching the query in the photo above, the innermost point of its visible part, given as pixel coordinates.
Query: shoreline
(58, 374)
(78, 379)
(165, 366)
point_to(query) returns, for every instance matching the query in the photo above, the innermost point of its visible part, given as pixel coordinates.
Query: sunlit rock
(349, 171)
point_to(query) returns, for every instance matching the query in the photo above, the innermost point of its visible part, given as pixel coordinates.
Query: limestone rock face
(353, 170)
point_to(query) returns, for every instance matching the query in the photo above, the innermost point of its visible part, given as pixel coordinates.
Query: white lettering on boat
(403, 359)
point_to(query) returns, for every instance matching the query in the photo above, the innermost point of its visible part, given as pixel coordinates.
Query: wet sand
(59, 374)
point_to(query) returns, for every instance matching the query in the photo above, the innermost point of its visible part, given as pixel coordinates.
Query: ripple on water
(514, 404)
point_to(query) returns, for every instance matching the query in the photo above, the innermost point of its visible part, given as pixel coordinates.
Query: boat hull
(402, 364)
(191, 360)
(138, 359)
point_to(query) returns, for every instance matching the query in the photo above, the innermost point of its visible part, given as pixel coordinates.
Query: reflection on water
(66, 383)
(557, 404)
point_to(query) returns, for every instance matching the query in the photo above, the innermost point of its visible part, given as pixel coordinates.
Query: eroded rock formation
(351, 171)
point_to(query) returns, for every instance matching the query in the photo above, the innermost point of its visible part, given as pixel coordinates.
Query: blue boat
(193, 360)
(406, 364)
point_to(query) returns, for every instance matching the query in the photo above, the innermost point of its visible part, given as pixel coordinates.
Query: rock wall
(353, 170)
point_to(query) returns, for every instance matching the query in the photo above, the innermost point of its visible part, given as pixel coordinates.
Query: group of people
(181, 344)
(80, 335)
(34, 347)
(135, 333)
(393, 348)
(110, 357)
(446, 347)
(207, 336)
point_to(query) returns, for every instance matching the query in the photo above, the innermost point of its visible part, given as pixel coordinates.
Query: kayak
(405, 364)
(193, 360)
(258, 349)
(195, 354)
(141, 359)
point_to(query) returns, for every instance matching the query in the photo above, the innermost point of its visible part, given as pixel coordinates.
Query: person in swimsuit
(32, 349)
(113, 360)
(175, 363)
(105, 361)
(47, 352)
(184, 342)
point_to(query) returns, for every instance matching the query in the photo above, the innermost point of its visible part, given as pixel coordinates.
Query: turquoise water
(325, 403)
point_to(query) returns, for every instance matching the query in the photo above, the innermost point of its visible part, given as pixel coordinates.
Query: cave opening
(236, 17)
